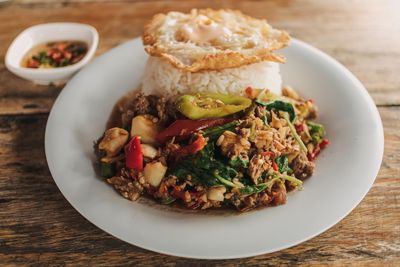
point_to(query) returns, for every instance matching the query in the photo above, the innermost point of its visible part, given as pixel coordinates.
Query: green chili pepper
(211, 105)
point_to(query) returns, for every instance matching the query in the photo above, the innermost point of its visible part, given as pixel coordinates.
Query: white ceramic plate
(345, 171)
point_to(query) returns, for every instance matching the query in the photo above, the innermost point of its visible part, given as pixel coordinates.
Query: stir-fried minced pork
(263, 138)
(258, 165)
(127, 187)
(242, 156)
(232, 144)
(140, 104)
(303, 168)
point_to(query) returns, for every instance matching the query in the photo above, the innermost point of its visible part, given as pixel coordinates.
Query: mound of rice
(161, 78)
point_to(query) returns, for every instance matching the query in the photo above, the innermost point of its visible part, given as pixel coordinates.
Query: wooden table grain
(39, 227)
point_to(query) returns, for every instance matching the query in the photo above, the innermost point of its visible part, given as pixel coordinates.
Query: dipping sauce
(55, 54)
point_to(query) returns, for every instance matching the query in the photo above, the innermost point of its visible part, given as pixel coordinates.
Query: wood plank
(365, 41)
(38, 227)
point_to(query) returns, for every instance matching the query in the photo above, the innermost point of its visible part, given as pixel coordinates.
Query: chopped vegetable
(313, 155)
(324, 143)
(107, 170)
(276, 177)
(223, 180)
(279, 106)
(211, 105)
(275, 166)
(283, 164)
(133, 154)
(250, 92)
(149, 151)
(184, 128)
(145, 127)
(317, 131)
(55, 54)
(238, 162)
(205, 168)
(295, 134)
(299, 127)
(154, 172)
(215, 132)
(296, 182)
(265, 119)
(192, 148)
(252, 189)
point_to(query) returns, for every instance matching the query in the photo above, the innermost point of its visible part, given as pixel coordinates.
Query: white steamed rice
(161, 78)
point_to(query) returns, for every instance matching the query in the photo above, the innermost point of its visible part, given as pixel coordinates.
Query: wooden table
(39, 227)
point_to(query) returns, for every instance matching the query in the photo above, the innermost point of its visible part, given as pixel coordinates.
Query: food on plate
(55, 54)
(226, 144)
(221, 151)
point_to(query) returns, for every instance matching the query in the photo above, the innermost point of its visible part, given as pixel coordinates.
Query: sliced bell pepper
(184, 128)
(211, 105)
(133, 154)
(192, 148)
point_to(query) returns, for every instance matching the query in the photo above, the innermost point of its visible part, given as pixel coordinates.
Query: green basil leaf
(252, 189)
(279, 105)
(317, 131)
(238, 163)
(283, 164)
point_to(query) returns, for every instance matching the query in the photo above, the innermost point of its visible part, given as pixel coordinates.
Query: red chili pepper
(249, 92)
(274, 165)
(56, 56)
(268, 153)
(183, 128)
(193, 148)
(32, 63)
(67, 55)
(299, 127)
(133, 154)
(313, 155)
(324, 143)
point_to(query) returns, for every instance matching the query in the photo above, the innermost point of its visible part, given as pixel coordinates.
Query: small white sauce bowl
(49, 32)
